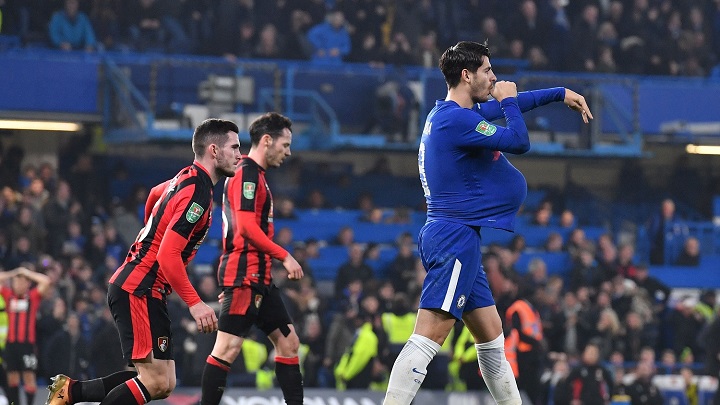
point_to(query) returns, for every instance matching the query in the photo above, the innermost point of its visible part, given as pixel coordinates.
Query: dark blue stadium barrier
(703, 276)
(57, 82)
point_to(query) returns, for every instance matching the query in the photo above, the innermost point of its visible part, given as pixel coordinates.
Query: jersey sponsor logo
(163, 343)
(194, 212)
(486, 128)
(249, 190)
(461, 301)
(258, 301)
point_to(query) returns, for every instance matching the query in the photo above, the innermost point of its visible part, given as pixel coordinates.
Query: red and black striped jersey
(183, 206)
(22, 314)
(243, 262)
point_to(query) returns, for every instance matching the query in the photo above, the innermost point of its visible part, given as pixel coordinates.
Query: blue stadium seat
(215, 231)
(383, 233)
(207, 253)
(382, 264)
(535, 236)
(302, 231)
(331, 258)
(557, 263)
(343, 217)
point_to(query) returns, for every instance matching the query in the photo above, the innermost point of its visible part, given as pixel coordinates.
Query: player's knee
(288, 346)
(159, 386)
(227, 348)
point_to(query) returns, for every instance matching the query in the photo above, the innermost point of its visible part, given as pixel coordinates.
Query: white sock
(409, 370)
(497, 373)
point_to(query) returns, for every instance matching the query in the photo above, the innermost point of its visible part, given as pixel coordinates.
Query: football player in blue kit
(468, 184)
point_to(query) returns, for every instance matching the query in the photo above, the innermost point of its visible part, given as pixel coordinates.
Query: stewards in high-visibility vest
(524, 346)
(355, 369)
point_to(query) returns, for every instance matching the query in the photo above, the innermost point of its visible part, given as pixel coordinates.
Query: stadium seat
(557, 263)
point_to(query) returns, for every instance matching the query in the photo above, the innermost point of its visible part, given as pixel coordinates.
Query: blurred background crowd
(600, 308)
(654, 37)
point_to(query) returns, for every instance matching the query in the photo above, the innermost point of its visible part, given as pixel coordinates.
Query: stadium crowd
(607, 314)
(655, 37)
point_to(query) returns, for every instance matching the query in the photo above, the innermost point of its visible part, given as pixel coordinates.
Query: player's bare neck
(461, 97)
(258, 156)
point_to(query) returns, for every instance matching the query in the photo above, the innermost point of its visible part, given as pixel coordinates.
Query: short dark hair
(271, 123)
(212, 130)
(463, 55)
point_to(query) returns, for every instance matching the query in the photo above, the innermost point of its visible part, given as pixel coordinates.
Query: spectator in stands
(153, 28)
(585, 273)
(554, 243)
(398, 51)
(316, 200)
(626, 261)
(528, 26)
(668, 362)
(400, 215)
(368, 51)
(576, 243)
(344, 237)
(690, 255)
(71, 29)
(26, 226)
(706, 305)
(297, 46)
(402, 269)
(67, 350)
(270, 45)
(375, 216)
(657, 291)
(197, 16)
(536, 277)
(355, 368)
(354, 269)
(284, 237)
(330, 40)
(584, 34)
(542, 216)
(244, 45)
(427, 53)
(591, 383)
(554, 382)
(339, 337)
(642, 390)
(609, 330)
(656, 230)
(56, 215)
(285, 208)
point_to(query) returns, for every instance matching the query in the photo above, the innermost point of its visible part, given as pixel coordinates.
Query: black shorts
(143, 324)
(258, 305)
(20, 357)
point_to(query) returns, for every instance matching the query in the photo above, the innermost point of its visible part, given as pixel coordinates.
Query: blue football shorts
(455, 281)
